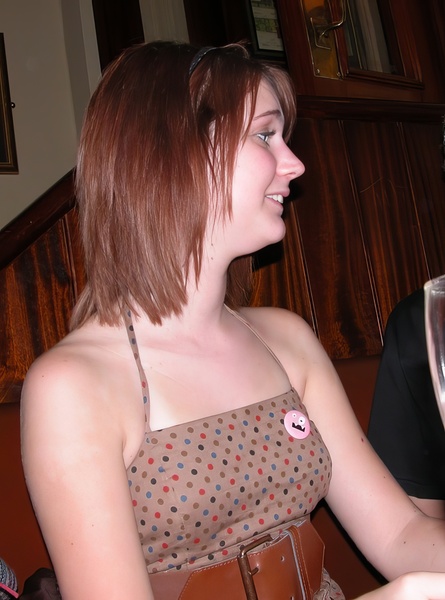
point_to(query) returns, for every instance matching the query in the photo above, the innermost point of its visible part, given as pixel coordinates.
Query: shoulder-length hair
(160, 134)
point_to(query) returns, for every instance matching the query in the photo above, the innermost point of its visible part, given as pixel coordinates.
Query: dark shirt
(405, 425)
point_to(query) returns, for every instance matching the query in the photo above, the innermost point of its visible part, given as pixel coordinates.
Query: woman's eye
(265, 136)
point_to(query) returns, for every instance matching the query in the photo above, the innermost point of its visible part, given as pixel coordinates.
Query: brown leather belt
(289, 566)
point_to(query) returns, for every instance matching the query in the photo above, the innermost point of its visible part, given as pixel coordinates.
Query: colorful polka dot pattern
(201, 487)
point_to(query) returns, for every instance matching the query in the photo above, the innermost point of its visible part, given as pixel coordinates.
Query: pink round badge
(297, 424)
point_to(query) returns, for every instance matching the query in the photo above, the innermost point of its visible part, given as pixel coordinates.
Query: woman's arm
(392, 533)
(73, 447)
(412, 586)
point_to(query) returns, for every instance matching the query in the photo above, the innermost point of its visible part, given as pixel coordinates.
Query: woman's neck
(203, 313)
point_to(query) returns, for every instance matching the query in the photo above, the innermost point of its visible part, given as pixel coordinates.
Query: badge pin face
(297, 424)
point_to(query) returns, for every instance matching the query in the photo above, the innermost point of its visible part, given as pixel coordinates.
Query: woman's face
(264, 168)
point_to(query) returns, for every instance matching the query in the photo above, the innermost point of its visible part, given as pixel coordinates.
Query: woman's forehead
(266, 103)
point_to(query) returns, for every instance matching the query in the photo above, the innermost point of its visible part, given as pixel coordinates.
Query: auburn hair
(160, 136)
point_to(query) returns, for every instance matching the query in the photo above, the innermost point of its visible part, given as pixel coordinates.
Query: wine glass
(435, 336)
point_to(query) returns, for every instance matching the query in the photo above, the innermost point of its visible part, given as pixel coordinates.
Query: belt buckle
(244, 566)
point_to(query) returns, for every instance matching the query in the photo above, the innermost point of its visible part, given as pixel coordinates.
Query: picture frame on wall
(8, 154)
(264, 25)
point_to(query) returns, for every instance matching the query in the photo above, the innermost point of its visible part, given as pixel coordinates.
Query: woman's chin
(271, 241)
(280, 233)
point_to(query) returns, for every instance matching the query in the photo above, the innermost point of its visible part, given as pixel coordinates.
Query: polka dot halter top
(201, 488)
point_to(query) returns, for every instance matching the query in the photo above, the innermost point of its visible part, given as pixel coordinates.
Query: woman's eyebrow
(276, 113)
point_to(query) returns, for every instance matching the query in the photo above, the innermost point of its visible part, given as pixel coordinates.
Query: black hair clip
(199, 56)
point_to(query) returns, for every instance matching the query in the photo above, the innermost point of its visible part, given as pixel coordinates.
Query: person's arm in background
(405, 426)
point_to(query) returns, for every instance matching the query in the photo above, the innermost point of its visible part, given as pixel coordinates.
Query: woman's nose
(290, 164)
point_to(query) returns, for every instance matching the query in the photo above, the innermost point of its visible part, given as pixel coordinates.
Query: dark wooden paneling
(333, 243)
(387, 206)
(205, 22)
(38, 291)
(282, 279)
(41, 275)
(118, 25)
(422, 145)
(368, 110)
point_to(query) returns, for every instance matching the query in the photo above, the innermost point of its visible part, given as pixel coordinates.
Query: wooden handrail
(35, 220)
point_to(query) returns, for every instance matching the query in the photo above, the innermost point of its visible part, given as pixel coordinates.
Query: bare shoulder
(59, 395)
(280, 326)
(79, 381)
(79, 399)
(291, 339)
(66, 369)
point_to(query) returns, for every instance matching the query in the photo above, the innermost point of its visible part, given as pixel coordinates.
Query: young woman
(172, 426)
